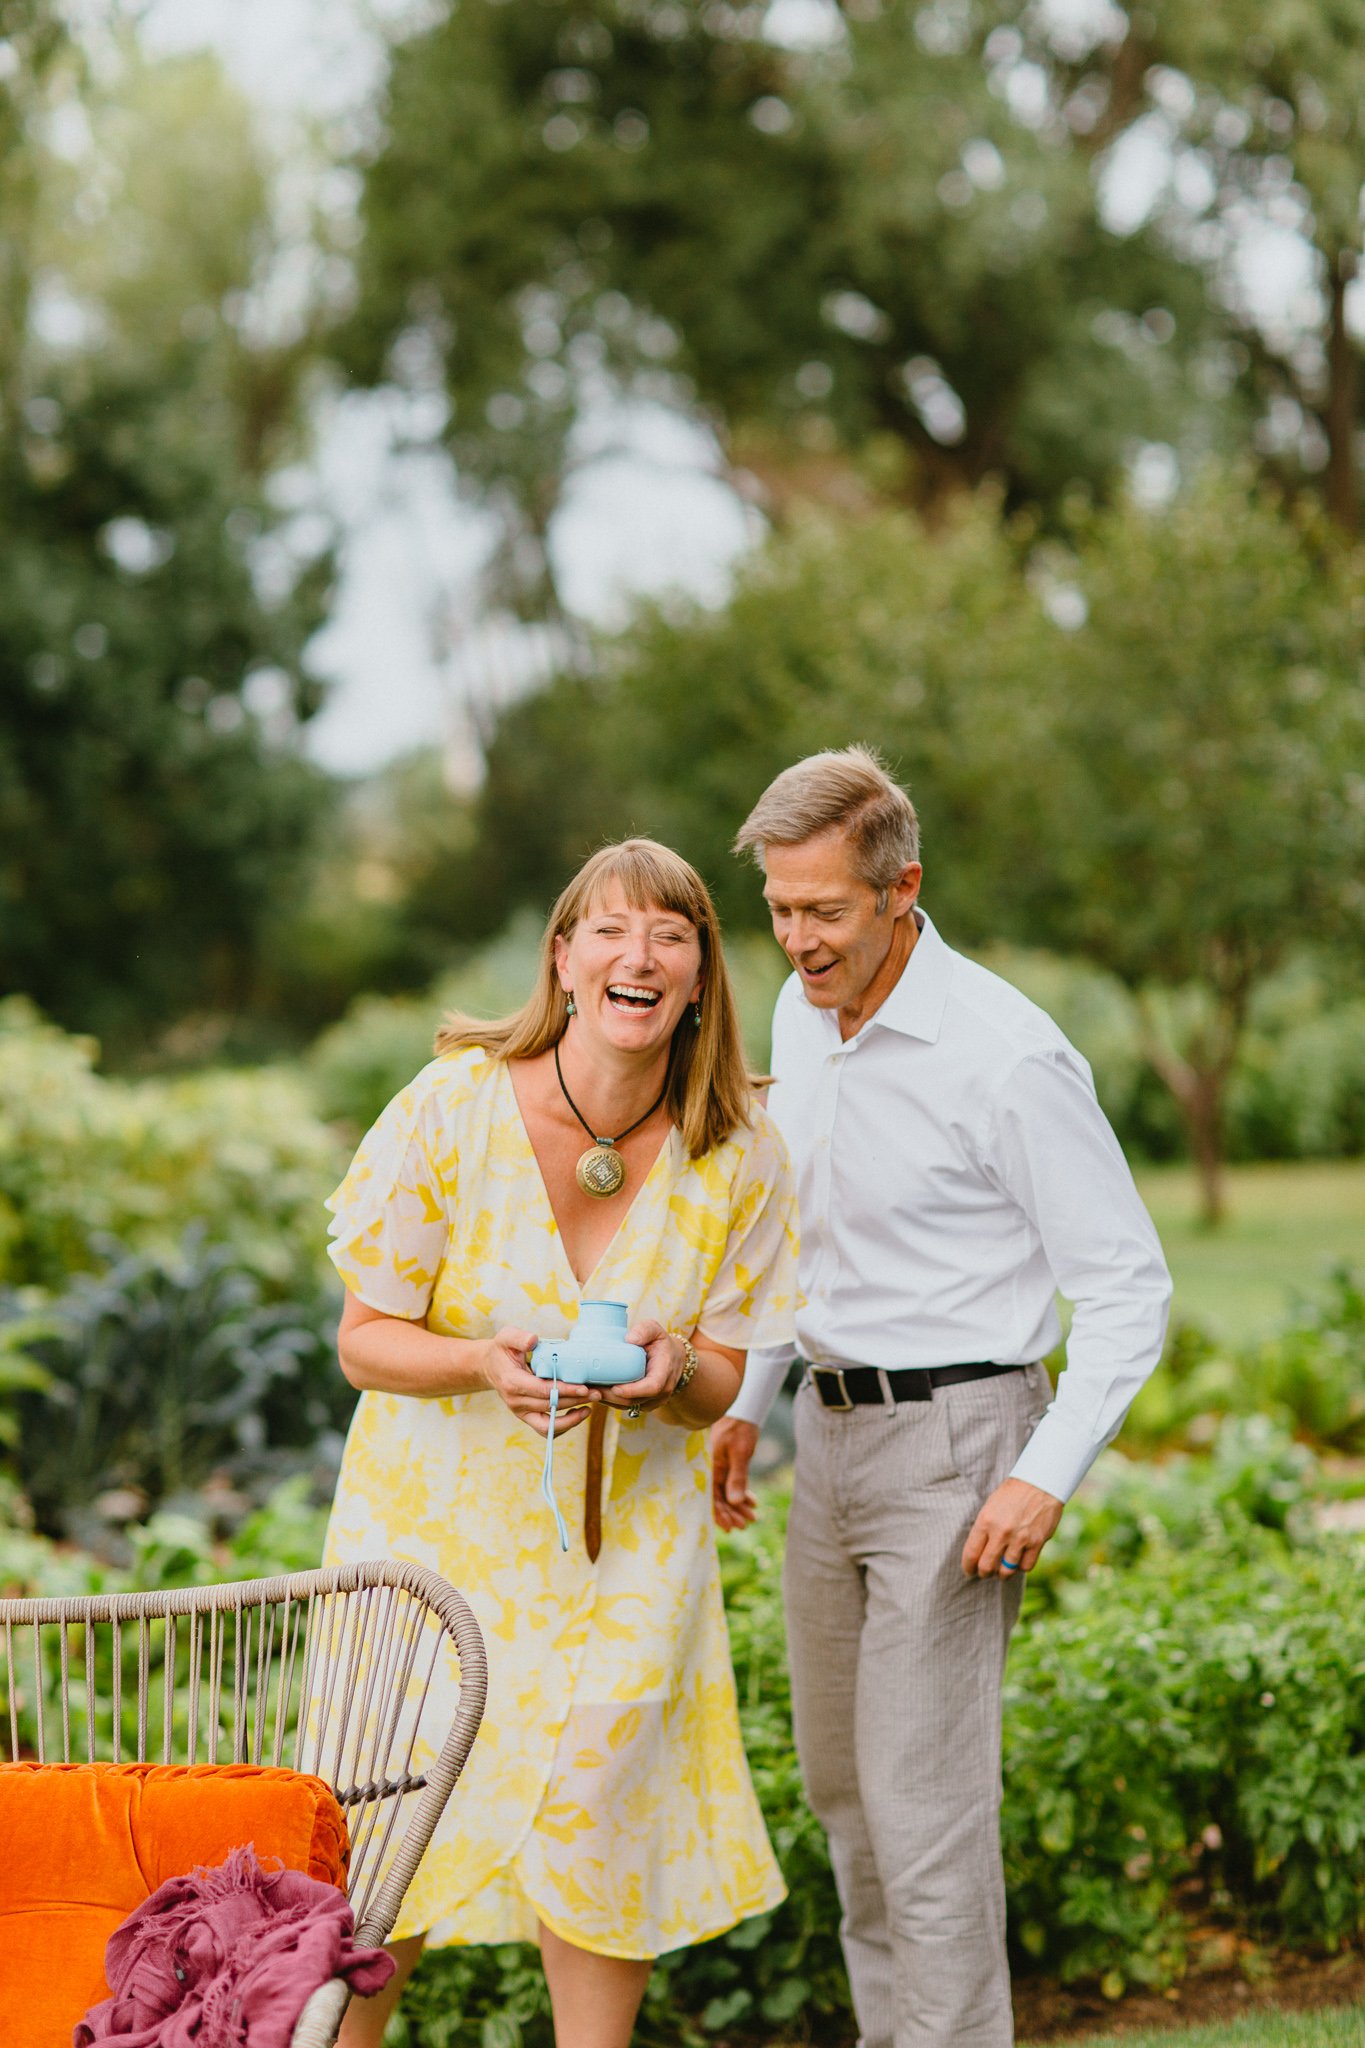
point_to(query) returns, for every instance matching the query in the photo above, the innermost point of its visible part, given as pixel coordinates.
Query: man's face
(826, 920)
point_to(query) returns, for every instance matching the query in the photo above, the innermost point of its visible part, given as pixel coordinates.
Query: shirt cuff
(1056, 1457)
(764, 1372)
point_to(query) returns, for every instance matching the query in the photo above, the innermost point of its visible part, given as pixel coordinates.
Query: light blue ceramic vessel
(596, 1354)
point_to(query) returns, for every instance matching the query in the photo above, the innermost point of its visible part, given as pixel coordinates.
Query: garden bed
(1046, 2012)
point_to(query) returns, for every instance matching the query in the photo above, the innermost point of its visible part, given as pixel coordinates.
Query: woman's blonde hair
(709, 1092)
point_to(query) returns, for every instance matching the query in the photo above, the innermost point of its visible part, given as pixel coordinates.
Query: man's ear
(905, 889)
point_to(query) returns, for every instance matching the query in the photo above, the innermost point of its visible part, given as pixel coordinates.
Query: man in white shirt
(955, 1172)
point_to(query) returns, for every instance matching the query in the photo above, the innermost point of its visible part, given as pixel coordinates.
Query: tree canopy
(880, 267)
(155, 596)
(1195, 805)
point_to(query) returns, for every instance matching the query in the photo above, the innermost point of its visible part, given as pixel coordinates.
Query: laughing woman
(604, 1142)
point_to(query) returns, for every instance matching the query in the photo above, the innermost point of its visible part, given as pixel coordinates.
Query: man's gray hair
(844, 787)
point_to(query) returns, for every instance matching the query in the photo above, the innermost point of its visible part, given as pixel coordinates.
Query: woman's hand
(665, 1357)
(507, 1371)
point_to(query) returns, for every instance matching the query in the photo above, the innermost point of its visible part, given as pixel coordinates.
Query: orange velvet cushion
(82, 1844)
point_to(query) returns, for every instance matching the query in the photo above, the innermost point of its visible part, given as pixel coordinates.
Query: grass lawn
(1287, 1225)
(1342, 2027)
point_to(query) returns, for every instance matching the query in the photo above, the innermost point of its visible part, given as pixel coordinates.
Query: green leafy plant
(1252, 1476)
(1308, 1378)
(163, 1370)
(19, 1374)
(85, 1159)
(1188, 1735)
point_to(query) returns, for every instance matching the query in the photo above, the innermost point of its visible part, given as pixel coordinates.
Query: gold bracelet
(685, 1377)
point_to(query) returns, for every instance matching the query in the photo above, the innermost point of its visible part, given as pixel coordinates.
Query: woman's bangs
(649, 882)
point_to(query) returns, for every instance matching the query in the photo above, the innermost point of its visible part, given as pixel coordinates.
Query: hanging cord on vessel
(547, 1477)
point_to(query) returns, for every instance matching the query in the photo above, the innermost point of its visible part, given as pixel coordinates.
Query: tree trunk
(1198, 1080)
(1203, 1112)
(1343, 501)
(1198, 1093)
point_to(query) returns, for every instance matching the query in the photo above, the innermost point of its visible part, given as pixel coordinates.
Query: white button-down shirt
(955, 1171)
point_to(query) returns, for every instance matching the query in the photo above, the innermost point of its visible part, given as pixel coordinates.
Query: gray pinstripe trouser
(896, 1666)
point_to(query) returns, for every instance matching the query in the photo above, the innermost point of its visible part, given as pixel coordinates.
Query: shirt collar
(915, 1005)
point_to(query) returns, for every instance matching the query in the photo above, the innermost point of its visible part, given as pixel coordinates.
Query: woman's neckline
(664, 1151)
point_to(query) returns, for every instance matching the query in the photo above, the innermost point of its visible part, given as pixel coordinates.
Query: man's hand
(732, 1446)
(1015, 1523)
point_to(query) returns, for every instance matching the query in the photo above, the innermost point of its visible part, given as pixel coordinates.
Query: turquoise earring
(572, 1005)
(696, 1014)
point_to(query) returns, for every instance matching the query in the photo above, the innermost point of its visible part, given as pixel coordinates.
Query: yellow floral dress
(607, 1794)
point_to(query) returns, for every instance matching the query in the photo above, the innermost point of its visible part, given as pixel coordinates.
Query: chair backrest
(349, 1673)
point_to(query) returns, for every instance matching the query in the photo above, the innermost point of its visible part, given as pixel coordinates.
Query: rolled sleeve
(1052, 1148)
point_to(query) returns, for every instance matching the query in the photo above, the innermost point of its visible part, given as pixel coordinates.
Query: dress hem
(765, 1904)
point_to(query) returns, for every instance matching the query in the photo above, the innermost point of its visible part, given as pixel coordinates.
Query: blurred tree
(37, 43)
(398, 895)
(874, 268)
(156, 593)
(1259, 107)
(1191, 804)
(876, 629)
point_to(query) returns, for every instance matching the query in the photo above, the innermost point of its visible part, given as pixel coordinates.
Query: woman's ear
(562, 960)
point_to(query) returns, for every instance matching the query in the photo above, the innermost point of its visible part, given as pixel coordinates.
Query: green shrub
(178, 1547)
(85, 1159)
(33, 1567)
(1298, 1090)
(1193, 1721)
(1252, 1476)
(171, 1549)
(360, 1063)
(162, 1370)
(1308, 1378)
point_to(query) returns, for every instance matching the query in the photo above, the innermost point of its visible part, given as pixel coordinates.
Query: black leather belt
(863, 1386)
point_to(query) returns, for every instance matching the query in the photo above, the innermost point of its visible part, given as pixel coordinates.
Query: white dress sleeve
(752, 1300)
(389, 1228)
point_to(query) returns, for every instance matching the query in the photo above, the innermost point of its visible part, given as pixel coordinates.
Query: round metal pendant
(601, 1171)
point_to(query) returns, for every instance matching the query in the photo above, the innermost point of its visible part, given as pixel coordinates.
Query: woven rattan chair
(329, 1672)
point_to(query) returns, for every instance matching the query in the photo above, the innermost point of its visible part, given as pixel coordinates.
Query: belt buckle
(819, 1373)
